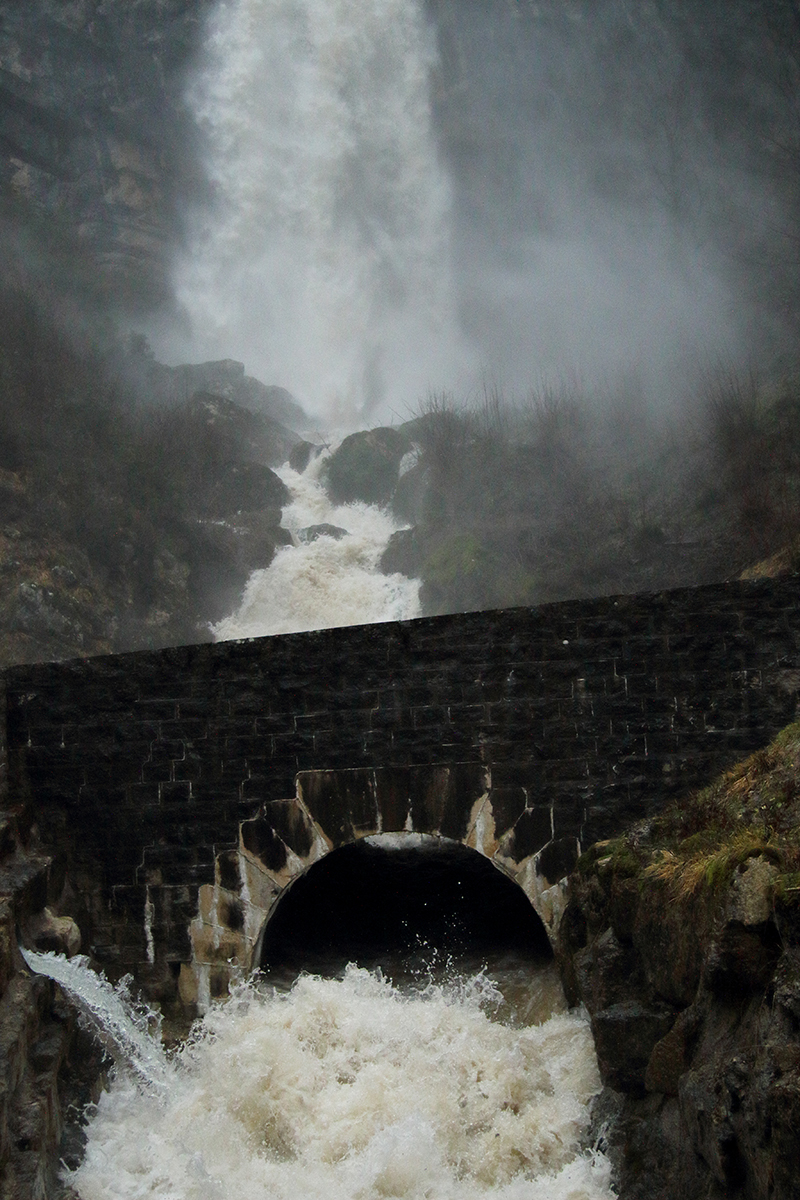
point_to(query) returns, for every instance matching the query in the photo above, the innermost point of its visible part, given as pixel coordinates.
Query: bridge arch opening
(399, 901)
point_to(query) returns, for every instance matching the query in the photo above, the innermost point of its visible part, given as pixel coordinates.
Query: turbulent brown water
(328, 581)
(432, 1086)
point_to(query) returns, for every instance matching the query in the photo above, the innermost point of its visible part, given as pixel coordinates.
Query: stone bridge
(182, 791)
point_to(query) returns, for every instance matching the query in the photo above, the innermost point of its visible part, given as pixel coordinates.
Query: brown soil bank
(683, 941)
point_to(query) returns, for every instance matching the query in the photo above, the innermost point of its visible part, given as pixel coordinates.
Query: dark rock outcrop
(224, 380)
(49, 1068)
(301, 455)
(695, 1011)
(143, 541)
(312, 532)
(242, 487)
(225, 553)
(217, 427)
(366, 466)
(403, 554)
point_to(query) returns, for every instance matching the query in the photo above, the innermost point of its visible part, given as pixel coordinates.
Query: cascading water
(124, 1028)
(325, 260)
(329, 580)
(355, 1089)
(325, 265)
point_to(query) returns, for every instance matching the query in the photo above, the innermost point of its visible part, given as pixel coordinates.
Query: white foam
(350, 1090)
(327, 582)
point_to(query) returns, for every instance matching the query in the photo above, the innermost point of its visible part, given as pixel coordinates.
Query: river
(461, 1084)
(324, 581)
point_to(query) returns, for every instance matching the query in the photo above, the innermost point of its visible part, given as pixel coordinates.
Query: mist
(555, 245)
(413, 197)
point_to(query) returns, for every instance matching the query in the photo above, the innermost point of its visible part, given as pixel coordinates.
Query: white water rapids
(326, 582)
(353, 1089)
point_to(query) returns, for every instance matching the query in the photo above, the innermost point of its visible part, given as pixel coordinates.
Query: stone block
(508, 804)
(531, 832)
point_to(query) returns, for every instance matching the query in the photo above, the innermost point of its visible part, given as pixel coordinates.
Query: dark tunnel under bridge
(399, 898)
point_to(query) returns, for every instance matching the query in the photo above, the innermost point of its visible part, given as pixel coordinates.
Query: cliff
(97, 154)
(683, 941)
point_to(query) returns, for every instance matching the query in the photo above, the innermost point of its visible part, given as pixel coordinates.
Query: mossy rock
(403, 554)
(366, 466)
(408, 502)
(244, 487)
(459, 556)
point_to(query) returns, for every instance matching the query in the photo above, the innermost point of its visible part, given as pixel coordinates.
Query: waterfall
(124, 1028)
(324, 261)
(355, 1089)
(327, 581)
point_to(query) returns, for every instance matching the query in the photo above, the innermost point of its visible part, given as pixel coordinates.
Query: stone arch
(331, 809)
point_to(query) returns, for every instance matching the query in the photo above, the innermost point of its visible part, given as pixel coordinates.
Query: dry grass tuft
(696, 846)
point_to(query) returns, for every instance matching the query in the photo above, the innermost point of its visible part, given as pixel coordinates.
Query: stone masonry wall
(138, 769)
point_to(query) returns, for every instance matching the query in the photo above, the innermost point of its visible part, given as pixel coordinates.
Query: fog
(415, 197)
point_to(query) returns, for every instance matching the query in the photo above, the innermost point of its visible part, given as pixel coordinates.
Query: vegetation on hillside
(696, 846)
(573, 495)
(111, 506)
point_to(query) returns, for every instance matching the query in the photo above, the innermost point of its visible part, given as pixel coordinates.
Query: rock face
(225, 380)
(49, 1068)
(366, 466)
(302, 454)
(695, 1009)
(219, 428)
(94, 136)
(125, 527)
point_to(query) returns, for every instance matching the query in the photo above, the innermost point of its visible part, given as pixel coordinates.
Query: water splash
(350, 1089)
(130, 1032)
(325, 261)
(327, 582)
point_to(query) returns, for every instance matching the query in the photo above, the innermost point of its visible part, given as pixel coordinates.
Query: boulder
(225, 378)
(624, 1037)
(243, 487)
(751, 891)
(45, 931)
(225, 553)
(213, 428)
(312, 532)
(403, 554)
(408, 501)
(366, 466)
(302, 454)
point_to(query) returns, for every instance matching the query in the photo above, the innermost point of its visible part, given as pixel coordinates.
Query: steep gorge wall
(96, 149)
(694, 1001)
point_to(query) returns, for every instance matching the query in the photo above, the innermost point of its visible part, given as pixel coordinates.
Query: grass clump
(617, 858)
(696, 846)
